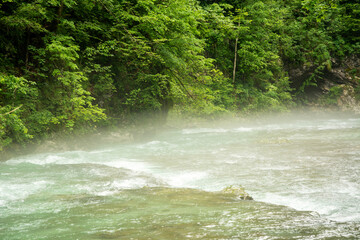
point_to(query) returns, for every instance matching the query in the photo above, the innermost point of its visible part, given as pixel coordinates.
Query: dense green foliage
(69, 65)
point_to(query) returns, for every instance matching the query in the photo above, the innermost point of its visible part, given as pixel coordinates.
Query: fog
(306, 163)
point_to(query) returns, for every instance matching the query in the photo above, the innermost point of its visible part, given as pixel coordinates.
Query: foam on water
(298, 203)
(333, 124)
(41, 159)
(82, 157)
(20, 189)
(204, 130)
(154, 145)
(310, 165)
(184, 179)
(131, 164)
(244, 129)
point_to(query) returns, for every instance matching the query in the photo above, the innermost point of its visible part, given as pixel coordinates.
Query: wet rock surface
(336, 86)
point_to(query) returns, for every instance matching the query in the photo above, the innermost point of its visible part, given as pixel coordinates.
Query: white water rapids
(305, 163)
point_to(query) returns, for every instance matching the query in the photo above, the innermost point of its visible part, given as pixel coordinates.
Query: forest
(74, 66)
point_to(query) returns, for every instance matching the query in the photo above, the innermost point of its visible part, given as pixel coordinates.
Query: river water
(302, 171)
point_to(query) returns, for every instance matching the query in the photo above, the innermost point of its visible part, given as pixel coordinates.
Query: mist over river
(303, 172)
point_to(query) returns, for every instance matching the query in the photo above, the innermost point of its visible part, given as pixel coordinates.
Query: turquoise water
(303, 173)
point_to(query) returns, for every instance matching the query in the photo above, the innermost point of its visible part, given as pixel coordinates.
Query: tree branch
(182, 84)
(11, 111)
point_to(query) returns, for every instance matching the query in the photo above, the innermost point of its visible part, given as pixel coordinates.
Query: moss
(331, 97)
(238, 191)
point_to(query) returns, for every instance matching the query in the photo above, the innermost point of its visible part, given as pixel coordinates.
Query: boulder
(237, 191)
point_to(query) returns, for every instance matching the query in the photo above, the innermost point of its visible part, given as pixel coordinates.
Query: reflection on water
(303, 172)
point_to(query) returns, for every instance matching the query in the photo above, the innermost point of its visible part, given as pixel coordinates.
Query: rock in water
(238, 191)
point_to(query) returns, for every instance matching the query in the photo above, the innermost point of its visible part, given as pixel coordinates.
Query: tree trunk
(235, 58)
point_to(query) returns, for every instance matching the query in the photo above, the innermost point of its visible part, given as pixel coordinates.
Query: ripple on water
(141, 190)
(169, 213)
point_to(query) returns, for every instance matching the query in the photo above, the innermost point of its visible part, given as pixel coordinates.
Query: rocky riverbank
(337, 86)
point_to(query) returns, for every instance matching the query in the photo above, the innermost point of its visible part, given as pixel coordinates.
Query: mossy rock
(237, 191)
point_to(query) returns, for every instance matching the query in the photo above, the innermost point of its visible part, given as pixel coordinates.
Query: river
(303, 172)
